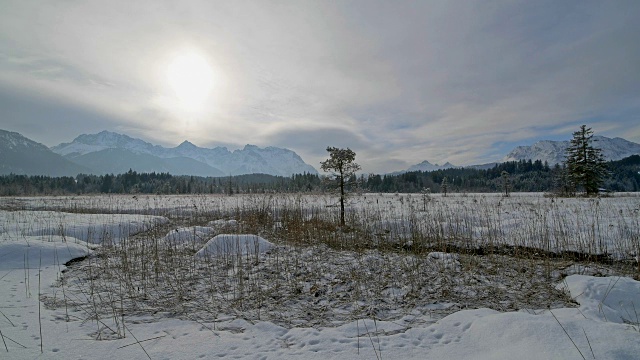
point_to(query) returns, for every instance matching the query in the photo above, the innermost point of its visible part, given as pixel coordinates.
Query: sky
(398, 82)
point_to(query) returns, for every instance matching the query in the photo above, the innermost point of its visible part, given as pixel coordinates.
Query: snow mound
(610, 299)
(234, 244)
(36, 251)
(189, 234)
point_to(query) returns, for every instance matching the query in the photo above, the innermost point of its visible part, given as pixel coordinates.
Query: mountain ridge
(251, 159)
(551, 151)
(554, 152)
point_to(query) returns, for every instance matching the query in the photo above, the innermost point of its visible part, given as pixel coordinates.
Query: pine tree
(585, 164)
(444, 186)
(341, 163)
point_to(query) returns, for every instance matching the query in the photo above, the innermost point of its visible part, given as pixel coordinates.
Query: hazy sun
(191, 78)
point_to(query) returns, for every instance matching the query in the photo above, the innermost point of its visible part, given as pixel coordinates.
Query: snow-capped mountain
(554, 152)
(218, 161)
(425, 166)
(20, 155)
(88, 143)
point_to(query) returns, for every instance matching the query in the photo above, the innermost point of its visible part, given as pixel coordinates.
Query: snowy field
(467, 276)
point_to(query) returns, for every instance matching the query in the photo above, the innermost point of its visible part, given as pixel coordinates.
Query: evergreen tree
(341, 164)
(229, 186)
(585, 164)
(444, 186)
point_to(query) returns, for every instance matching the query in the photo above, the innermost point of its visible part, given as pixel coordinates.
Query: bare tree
(342, 166)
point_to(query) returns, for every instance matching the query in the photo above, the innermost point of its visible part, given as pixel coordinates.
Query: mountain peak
(13, 140)
(187, 144)
(88, 143)
(425, 162)
(250, 147)
(103, 137)
(21, 155)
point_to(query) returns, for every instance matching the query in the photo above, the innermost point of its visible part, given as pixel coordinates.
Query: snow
(33, 244)
(56, 250)
(93, 228)
(615, 299)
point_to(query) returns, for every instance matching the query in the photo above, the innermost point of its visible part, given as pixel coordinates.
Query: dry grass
(378, 266)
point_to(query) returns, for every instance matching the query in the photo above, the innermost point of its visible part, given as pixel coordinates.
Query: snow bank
(610, 299)
(546, 334)
(234, 244)
(34, 252)
(92, 228)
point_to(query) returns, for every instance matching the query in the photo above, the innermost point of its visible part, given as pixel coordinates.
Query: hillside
(20, 155)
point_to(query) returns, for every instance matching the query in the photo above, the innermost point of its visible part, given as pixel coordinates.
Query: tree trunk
(342, 200)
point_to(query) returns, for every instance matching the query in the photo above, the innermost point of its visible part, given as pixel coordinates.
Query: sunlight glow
(192, 79)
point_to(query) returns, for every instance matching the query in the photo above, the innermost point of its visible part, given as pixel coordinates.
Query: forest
(521, 176)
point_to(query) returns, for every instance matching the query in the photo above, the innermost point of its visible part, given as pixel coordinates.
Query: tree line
(133, 182)
(523, 176)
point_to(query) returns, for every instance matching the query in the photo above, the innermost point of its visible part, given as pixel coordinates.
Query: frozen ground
(35, 245)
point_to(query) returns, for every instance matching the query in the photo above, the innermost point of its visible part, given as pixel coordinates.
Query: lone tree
(444, 186)
(506, 182)
(585, 164)
(342, 166)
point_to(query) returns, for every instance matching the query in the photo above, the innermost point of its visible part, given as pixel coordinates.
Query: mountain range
(553, 152)
(425, 166)
(108, 152)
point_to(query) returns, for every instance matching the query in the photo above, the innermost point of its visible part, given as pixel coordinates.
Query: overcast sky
(398, 82)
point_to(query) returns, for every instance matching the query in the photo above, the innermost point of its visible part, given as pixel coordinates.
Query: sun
(192, 79)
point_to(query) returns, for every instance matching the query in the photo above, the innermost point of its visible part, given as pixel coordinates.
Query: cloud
(49, 122)
(401, 82)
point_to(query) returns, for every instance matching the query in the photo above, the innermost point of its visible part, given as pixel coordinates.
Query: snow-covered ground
(35, 243)
(609, 225)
